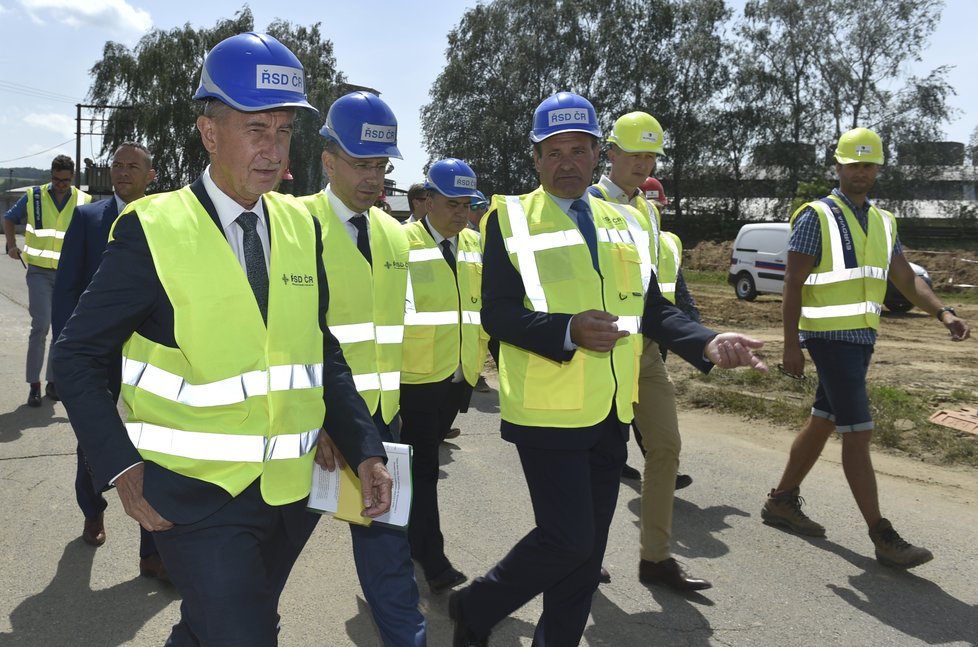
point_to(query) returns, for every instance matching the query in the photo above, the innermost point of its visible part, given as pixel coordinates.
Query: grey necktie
(255, 260)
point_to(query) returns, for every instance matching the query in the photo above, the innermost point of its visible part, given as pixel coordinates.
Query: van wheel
(745, 288)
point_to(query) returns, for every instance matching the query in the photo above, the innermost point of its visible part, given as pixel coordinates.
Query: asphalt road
(770, 588)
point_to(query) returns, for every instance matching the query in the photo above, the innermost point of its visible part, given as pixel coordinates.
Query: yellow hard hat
(637, 132)
(859, 145)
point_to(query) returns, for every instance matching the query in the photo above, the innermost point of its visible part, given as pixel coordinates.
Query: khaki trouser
(655, 416)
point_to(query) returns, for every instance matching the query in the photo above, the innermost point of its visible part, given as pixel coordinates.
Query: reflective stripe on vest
(232, 390)
(670, 259)
(645, 234)
(437, 340)
(366, 311)
(846, 288)
(203, 446)
(46, 225)
(537, 391)
(230, 402)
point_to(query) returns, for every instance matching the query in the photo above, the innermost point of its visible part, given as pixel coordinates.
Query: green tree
(816, 68)
(158, 77)
(323, 81)
(502, 60)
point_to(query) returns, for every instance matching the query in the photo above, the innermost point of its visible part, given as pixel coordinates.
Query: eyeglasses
(363, 168)
(61, 180)
(478, 206)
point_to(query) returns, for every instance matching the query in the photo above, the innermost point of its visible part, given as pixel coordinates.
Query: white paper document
(338, 492)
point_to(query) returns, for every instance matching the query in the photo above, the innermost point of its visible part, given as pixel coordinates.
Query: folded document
(338, 492)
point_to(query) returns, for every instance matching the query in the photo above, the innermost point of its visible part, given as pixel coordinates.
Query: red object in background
(653, 191)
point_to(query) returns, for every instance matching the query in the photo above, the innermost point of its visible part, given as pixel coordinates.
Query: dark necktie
(582, 211)
(255, 260)
(363, 242)
(446, 251)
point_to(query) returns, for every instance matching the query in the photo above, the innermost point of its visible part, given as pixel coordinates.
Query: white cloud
(111, 15)
(3, 10)
(59, 123)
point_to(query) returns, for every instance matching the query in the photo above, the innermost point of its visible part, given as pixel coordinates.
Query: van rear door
(772, 258)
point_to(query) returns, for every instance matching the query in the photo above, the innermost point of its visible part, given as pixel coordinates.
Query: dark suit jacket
(505, 317)
(81, 253)
(126, 296)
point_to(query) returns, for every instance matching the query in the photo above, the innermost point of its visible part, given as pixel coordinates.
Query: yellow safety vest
(442, 324)
(646, 228)
(646, 208)
(547, 249)
(44, 236)
(234, 401)
(845, 290)
(670, 260)
(366, 304)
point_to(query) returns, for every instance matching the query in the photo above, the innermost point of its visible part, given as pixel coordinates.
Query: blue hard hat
(452, 178)
(363, 125)
(479, 200)
(561, 113)
(252, 72)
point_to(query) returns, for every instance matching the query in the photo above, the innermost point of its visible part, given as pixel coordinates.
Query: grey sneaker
(784, 510)
(893, 550)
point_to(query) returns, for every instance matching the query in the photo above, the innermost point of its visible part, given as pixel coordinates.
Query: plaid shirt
(806, 238)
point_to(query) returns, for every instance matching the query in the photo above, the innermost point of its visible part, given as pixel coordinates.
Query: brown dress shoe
(670, 573)
(93, 533)
(152, 567)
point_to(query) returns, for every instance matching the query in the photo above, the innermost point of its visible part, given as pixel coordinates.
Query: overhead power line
(23, 157)
(37, 93)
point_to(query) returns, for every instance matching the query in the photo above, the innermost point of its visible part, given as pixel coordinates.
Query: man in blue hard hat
(227, 376)
(444, 348)
(365, 252)
(565, 296)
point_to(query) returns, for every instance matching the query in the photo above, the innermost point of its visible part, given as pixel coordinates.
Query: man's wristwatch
(940, 313)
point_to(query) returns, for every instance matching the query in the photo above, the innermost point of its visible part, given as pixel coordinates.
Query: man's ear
(208, 132)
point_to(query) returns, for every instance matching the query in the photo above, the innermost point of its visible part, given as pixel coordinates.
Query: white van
(757, 264)
(759, 258)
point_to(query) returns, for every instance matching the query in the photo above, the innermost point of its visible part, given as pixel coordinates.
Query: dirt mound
(950, 270)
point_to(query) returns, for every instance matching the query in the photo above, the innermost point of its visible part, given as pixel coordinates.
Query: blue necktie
(582, 211)
(255, 260)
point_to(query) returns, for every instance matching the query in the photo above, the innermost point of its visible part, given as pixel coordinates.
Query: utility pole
(91, 130)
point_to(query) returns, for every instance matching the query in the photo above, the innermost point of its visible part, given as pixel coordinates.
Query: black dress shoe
(462, 636)
(448, 579)
(605, 576)
(629, 472)
(51, 392)
(683, 480)
(670, 573)
(34, 397)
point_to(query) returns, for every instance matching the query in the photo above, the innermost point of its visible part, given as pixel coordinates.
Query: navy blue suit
(572, 474)
(228, 556)
(81, 254)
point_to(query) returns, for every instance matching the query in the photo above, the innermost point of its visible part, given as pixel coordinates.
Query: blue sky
(395, 46)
